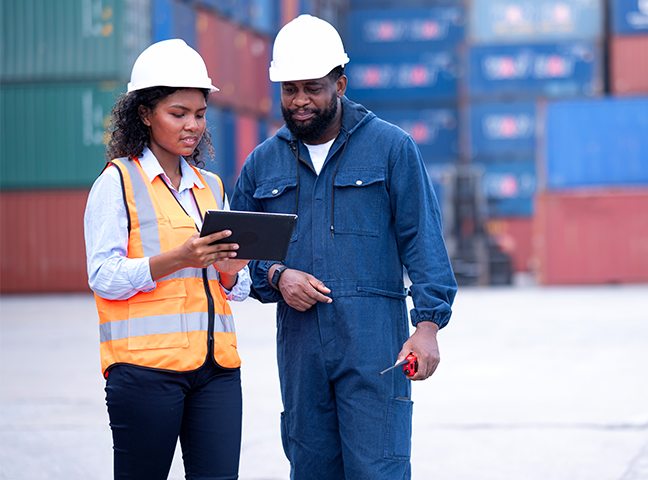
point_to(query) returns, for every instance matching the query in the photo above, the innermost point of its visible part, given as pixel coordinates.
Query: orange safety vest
(172, 326)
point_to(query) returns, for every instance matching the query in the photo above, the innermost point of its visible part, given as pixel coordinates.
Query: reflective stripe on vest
(144, 329)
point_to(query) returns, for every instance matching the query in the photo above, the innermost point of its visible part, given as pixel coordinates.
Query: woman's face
(176, 124)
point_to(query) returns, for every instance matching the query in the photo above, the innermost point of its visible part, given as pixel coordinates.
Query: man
(366, 208)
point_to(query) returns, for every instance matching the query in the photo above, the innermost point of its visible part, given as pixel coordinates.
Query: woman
(168, 347)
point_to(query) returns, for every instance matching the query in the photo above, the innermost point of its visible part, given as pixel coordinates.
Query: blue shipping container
(502, 129)
(412, 30)
(435, 131)
(428, 76)
(173, 19)
(534, 21)
(628, 16)
(220, 124)
(527, 71)
(599, 143)
(509, 187)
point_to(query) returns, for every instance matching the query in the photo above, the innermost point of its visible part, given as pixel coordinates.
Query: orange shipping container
(629, 64)
(514, 237)
(42, 245)
(591, 237)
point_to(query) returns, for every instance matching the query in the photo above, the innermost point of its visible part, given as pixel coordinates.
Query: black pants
(150, 409)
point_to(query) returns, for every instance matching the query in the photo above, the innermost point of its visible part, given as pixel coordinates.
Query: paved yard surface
(534, 384)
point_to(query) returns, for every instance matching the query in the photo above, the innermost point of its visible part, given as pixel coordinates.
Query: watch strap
(274, 283)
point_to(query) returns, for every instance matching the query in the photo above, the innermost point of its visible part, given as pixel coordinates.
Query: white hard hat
(306, 48)
(170, 63)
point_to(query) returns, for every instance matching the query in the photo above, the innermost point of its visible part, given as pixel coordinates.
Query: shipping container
(47, 255)
(173, 19)
(591, 237)
(397, 30)
(528, 71)
(628, 17)
(229, 149)
(595, 143)
(264, 16)
(217, 45)
(247, 139)
(253, 52)
(534, 21)
(72, 40)
(501, 130)
(514, 237)
(509, 187)
(628, 64)
(427, 77)
(220, 163)
(66, 123)
(435, 131)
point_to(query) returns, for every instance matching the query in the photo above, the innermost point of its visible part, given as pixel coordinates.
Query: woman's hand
(195, 252)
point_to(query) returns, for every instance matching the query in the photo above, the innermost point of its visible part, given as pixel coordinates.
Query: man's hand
(301, 290)
(423, 344)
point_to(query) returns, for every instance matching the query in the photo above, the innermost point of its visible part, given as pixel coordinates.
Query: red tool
(410, 365)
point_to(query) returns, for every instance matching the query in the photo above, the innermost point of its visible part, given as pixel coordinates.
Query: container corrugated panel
(288, 10)
(509, 187)
(264, 16)
(502, 129)
(427, 77)
(592, 237)
(534, 21)
(628, 16)
(72, 40)
(528, 71)
(217, 45)
(71, 120)
(628, 64)
(47, 255)
(173, 19)
(514, 236)
(435, 131)
(220, 164)
(595, 143)
(253, 51)
(230, 134)
(247, 139)
(398, 30)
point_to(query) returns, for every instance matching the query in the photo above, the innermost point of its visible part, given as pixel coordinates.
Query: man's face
(309, 107)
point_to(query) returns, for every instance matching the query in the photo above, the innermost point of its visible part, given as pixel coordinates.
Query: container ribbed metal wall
(63, 40)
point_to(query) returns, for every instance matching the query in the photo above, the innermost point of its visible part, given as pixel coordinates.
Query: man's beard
(312, 131)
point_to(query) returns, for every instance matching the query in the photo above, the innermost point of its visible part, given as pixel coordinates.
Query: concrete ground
(534, 383)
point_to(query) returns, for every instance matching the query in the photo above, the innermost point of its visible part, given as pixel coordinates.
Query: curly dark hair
(129, 136)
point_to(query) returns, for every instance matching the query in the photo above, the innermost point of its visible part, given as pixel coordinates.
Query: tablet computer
(260, 235)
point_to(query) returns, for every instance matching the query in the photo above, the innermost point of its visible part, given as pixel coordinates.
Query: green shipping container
(53, 135)
(72, 40)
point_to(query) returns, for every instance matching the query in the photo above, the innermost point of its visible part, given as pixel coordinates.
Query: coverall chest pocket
(278, 195)
(358, 197)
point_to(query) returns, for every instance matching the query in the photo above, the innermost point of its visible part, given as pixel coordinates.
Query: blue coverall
(370, 211)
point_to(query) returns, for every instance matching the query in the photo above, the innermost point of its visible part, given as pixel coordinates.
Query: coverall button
(358, 182)
(275, 191)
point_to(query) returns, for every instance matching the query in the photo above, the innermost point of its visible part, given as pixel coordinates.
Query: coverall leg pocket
(398, 430)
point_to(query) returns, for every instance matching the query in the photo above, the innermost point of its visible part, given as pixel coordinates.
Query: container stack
(519, 53)
(591, 224)
(63, 65)
(404, 66)
(65, 62)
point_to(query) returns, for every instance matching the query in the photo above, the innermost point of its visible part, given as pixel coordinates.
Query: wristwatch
(274, 283)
